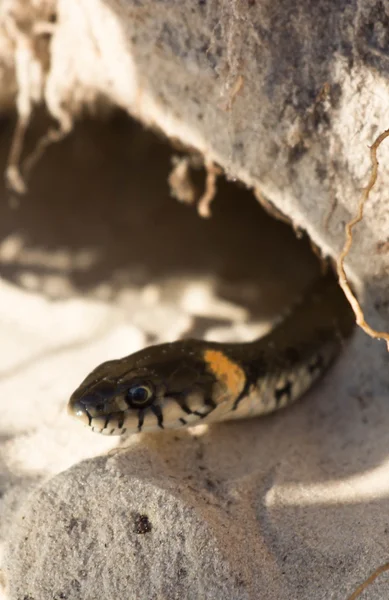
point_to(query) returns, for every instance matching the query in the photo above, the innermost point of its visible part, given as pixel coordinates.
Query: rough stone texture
(164, 537)
(287, 98)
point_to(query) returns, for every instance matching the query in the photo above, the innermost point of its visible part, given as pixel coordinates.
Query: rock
(129, 526)
(286, 98)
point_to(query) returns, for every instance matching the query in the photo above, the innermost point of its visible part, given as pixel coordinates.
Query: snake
(191, 381)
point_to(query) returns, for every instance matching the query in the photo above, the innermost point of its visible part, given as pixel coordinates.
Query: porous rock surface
(96, 263)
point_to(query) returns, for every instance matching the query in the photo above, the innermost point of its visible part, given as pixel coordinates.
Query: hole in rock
(99, 221)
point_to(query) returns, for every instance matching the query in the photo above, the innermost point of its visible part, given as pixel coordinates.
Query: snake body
(189, 381)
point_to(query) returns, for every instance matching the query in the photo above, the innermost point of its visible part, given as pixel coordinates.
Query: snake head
(163, 386)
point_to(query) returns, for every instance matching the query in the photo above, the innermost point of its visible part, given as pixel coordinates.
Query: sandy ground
(97, 261)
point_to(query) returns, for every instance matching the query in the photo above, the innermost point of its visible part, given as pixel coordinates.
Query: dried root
(349, 238)
(210, 189)
(180, 182)
(369, 580)
(32, 64)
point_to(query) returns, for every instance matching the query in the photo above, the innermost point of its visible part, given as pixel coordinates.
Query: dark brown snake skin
(190, 381)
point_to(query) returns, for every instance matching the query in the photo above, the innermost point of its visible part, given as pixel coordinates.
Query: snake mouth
(116, 423)
(174, 415)
(111, 424)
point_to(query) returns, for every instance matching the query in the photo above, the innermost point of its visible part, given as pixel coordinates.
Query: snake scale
(190, 381)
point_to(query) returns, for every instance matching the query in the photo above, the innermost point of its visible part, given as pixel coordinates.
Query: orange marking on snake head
(226, 371)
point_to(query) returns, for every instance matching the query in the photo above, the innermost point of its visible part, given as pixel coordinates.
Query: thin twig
(369, 580)
(349, 238)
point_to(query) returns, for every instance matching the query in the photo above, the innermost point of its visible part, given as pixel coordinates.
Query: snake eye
(139, 395)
